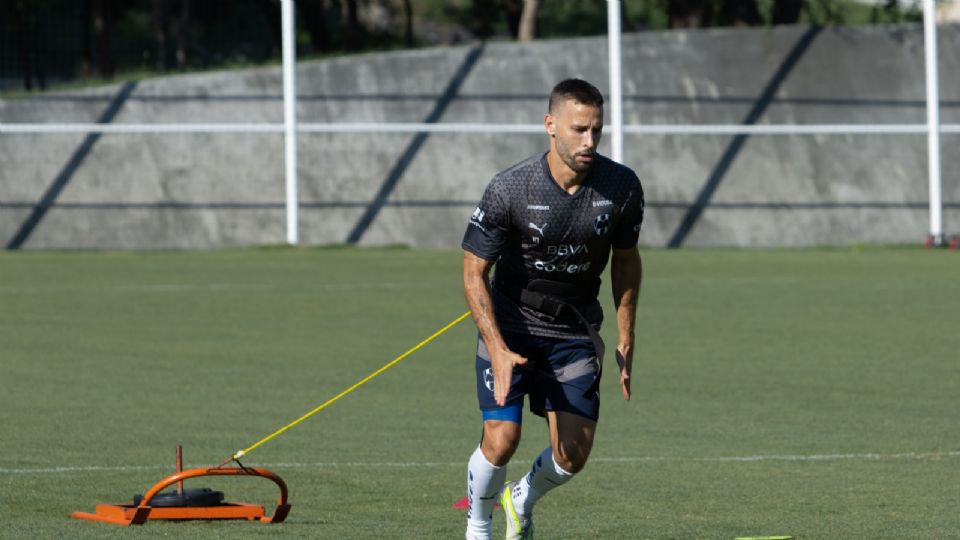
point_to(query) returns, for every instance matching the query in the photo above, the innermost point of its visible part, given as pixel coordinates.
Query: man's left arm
(626, 273)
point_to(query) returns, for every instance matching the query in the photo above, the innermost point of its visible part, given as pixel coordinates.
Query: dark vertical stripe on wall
(69, 169)
(695, 211)
(406, 158)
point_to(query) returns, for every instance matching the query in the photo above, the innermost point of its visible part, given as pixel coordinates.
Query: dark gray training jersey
(536, 230)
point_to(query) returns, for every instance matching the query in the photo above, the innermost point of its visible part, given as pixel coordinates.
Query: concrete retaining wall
(202, 190)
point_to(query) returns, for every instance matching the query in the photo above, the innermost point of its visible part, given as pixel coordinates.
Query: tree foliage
(55, 40)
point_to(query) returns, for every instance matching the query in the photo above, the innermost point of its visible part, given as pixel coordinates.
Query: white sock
(484, 482)
(544, 475)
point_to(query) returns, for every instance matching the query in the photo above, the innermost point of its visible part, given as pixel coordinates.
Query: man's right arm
(476, 289)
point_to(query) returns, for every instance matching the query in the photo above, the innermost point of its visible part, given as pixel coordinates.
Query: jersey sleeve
(628, 229)
(487, 229)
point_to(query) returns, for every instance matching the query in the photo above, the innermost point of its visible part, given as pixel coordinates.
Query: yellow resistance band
(395, 361)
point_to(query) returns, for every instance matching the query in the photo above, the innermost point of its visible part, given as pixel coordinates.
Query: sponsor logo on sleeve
(476, 219)
(477, 215)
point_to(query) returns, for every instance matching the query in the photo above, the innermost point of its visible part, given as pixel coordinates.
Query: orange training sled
(183, 504)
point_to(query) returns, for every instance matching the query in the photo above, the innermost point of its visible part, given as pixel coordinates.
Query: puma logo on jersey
(538, 229)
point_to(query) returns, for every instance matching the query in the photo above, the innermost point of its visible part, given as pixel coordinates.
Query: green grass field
(813, 393)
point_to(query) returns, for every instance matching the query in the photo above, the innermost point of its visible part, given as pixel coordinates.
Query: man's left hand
(625, 362)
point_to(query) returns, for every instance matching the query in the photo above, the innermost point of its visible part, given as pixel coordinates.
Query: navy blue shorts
(557, 374)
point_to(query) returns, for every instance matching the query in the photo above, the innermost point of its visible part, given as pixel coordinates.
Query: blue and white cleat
(519, 526)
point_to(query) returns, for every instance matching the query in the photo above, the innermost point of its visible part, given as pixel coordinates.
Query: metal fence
(290, 127)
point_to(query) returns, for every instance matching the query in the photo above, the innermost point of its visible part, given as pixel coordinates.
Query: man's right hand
(476, 289)
(502, 361)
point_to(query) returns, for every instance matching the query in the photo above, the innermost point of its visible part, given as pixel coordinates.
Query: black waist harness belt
(555, 298)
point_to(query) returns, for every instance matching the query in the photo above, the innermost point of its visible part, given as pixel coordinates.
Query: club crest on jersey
(601, 224)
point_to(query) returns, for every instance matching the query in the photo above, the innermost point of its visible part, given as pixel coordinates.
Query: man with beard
(550, 224)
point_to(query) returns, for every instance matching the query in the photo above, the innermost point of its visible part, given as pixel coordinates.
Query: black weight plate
(190, 497)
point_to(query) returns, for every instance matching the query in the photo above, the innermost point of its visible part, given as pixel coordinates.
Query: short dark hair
(575, 89)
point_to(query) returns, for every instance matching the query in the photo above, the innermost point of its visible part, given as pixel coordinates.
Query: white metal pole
(933, 122)
(290, 119)
(616, 90)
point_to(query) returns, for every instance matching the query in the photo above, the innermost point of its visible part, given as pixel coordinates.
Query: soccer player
(549, 223)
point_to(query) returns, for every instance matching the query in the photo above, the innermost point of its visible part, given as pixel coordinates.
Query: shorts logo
(601, 224)
(488, 379)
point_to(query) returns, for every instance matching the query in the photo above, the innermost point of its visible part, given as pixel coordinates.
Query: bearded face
(576, 129)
